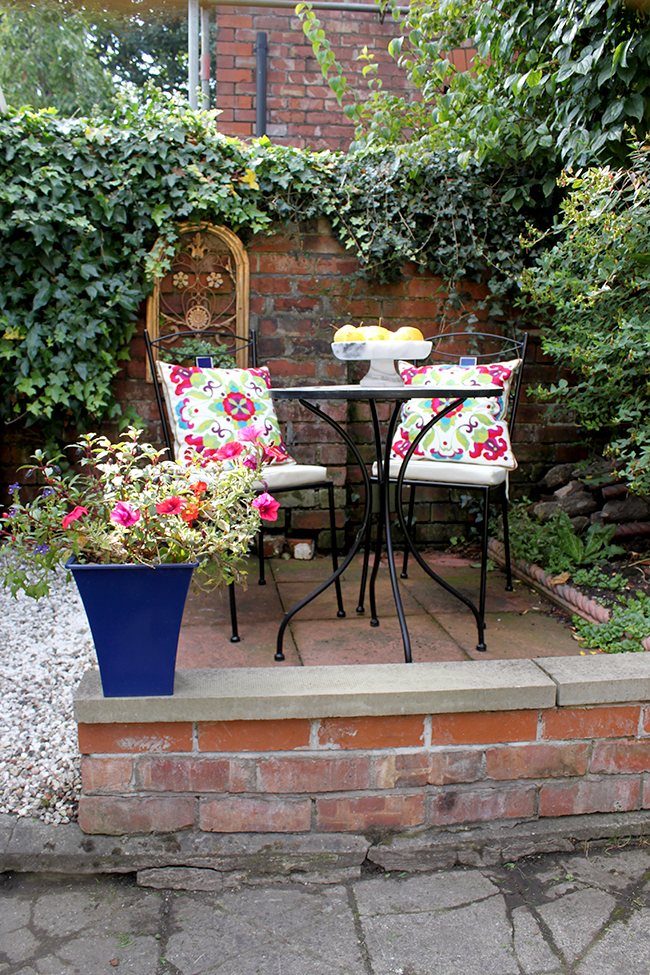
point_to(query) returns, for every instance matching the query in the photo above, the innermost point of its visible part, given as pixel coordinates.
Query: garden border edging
(563, 595)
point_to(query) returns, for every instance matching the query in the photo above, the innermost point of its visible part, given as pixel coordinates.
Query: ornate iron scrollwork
(206, 287)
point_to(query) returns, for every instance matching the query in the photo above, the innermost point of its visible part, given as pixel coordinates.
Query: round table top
(385, 392)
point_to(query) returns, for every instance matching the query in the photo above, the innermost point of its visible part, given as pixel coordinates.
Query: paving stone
(14, 914)
(135, 955)
(624, 948)
(532, 951)
(265, 932)
(575, 919)
(438, 891)
(181, 878)
(606, 871)
(510, 635)
(470, 939)
(18, 945)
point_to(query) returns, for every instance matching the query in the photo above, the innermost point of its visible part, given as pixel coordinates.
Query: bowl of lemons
(382, 347)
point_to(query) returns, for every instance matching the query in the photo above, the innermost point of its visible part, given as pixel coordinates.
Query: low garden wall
(381, 751)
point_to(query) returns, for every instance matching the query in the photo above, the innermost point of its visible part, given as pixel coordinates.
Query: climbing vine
(82, 203)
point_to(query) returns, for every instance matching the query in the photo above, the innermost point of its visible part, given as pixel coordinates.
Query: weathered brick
(105, 774)
(189, 774)
(280, 735)
(439, 767)
(236, 814)
(629, 755)
(309, 773)
(589, 796)
(168, 736)
(390, 731)
(136, 814)
(483, 727)
(347, 814)
(469, 805)
(536, 761)
(597, 722)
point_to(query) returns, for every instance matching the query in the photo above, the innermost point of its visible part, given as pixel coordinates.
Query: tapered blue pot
(135, 614)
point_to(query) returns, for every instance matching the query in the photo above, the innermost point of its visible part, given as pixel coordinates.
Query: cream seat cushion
(454, 472)
(291, 475)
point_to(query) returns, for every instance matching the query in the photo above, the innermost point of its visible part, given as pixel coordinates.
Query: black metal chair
(279, 480)
(449, 349)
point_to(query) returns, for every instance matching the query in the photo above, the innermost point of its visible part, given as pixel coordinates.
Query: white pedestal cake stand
(382, 356)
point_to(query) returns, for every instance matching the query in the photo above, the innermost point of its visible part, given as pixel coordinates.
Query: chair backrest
(486, 348)
(233, 345)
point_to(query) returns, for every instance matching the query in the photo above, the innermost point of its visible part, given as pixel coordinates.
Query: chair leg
(235, 638)
(260, 555)
(481, 603)
(335, 554)
(364, 569)
(409, 522)
(374, 619)
(506, 537)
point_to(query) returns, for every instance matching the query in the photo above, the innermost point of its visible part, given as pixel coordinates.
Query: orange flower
(199, 488)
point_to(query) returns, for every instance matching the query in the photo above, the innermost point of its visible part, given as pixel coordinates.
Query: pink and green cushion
(475, 433)
(207, 408)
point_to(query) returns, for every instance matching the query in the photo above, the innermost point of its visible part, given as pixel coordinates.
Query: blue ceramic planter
(135, 614)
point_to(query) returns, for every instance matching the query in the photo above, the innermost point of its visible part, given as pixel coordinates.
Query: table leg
(478, 615)
(394, 581)
(338, 572)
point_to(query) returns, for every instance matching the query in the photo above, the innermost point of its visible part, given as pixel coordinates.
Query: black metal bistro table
(308, 396)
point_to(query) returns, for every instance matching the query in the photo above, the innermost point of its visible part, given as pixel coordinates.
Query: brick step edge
(207, 861)
(563, 595)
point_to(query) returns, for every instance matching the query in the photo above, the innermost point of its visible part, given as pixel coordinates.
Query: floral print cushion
(475, 432)
(207, 408)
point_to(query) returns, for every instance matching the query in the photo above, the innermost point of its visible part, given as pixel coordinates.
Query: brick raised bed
(379, 750)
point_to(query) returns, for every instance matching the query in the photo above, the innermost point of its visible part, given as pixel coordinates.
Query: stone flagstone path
(548, 915)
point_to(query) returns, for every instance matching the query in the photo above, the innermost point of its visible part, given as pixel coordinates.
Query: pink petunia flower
(250, 462)
(125, 514)
(251, 433)
(170, 506)
(267, 507)
(74, 515)
(228, 450)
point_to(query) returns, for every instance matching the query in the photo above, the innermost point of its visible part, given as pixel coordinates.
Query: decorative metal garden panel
(206, 288)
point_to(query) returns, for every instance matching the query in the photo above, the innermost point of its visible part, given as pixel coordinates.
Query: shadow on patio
(520, 624)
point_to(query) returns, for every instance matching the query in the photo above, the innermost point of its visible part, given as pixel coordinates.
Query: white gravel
(45, 647)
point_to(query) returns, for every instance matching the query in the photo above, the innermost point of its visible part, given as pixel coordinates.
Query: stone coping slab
(325, 692)
(602, 679)
(30, 846)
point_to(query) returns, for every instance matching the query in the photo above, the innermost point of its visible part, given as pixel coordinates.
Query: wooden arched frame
(240, 318)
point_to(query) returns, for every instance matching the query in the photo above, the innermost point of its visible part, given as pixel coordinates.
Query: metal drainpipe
(205, 58)
(260, 85)
(193, 52)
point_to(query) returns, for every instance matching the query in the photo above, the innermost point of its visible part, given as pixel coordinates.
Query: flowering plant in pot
(128, 508)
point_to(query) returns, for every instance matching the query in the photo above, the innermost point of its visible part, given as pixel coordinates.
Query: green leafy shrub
(594, 287)
(555, 545)
(596, 577)
(627, 627)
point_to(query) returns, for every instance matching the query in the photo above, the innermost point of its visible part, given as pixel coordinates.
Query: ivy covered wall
(82, 204)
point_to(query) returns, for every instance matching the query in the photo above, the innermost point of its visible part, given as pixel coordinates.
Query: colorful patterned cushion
(475, 433)
(207, 407)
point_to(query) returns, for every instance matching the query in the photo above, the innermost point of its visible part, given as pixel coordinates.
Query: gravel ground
(45, 648)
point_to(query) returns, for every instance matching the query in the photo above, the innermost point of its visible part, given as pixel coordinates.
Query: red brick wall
(301, 108)
(355, 774)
